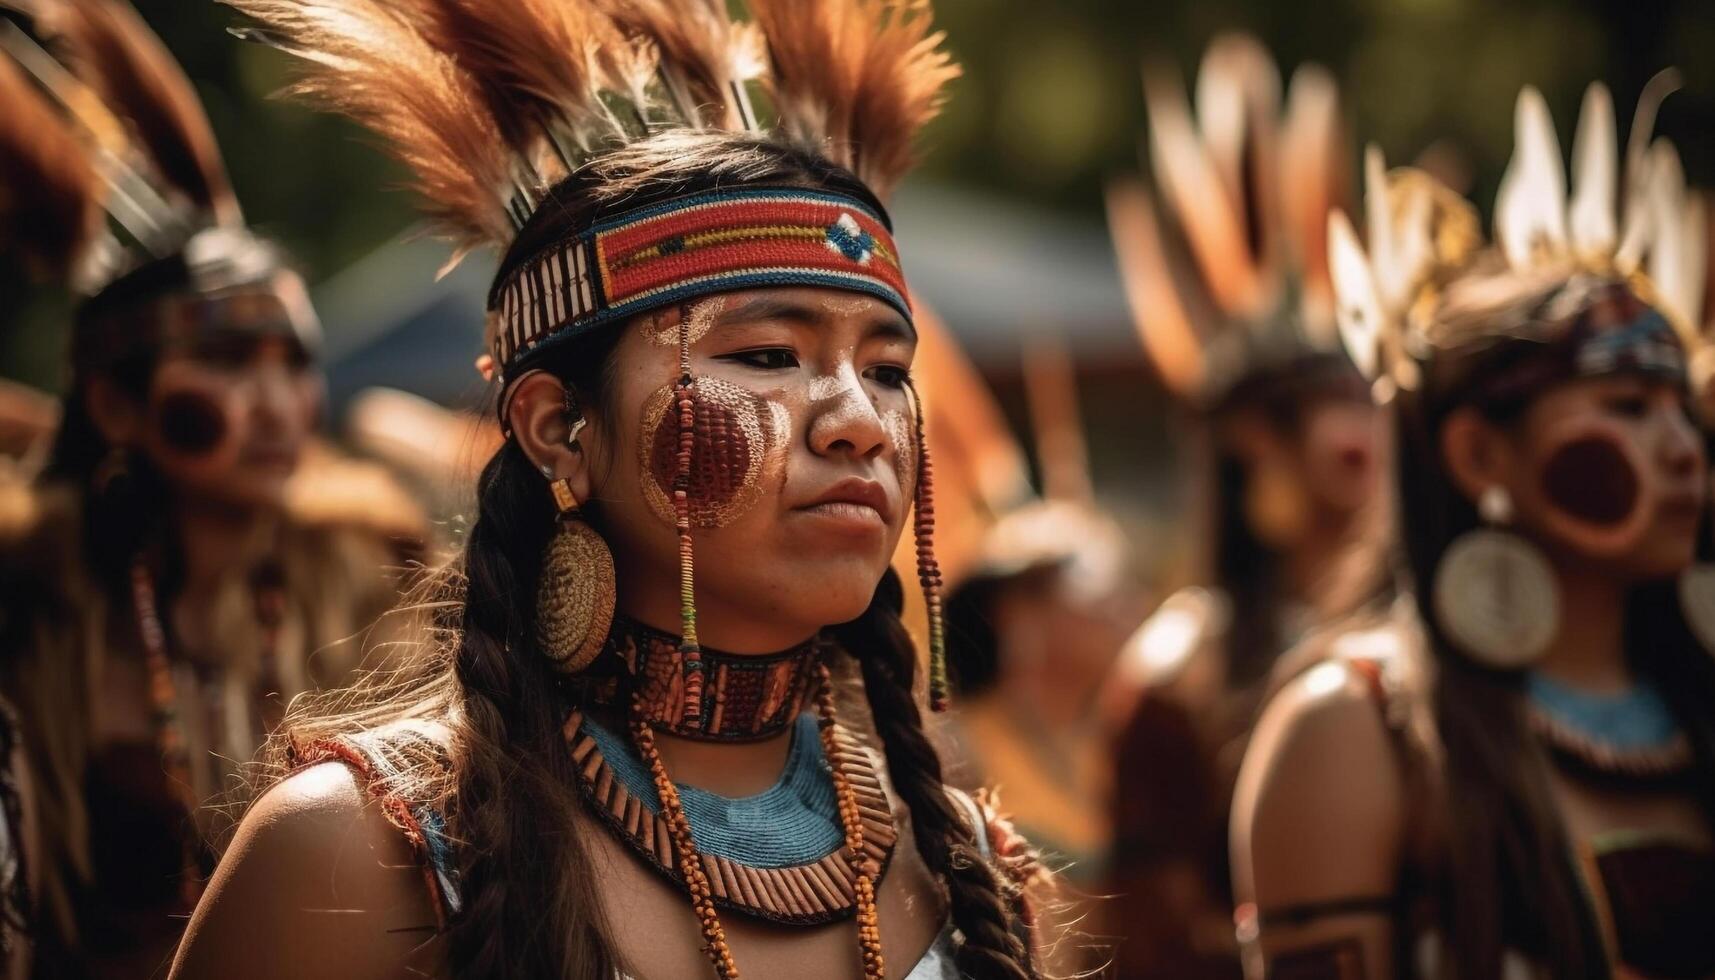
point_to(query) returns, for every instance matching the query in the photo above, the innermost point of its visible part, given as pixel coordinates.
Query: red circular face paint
(1592, 478)
(729, 438)
(190, 422)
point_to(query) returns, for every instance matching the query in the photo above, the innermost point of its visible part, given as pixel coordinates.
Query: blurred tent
(996, 272)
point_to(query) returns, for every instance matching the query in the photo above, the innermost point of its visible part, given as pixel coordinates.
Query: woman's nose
(843, 418)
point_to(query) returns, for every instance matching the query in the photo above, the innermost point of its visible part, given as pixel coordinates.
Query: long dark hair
(1509, 878)
(530, 907)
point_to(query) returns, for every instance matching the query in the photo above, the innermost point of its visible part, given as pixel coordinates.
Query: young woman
(1509, 774)
(166, 578)
(1285, 462)
(671, 730)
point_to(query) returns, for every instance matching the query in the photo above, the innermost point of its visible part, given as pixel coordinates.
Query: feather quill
(367, 61)
(109, 46)
(50, 193)
(1358, 307)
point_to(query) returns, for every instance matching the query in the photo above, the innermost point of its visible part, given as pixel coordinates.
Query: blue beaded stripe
(794, 822)
(1636, 719)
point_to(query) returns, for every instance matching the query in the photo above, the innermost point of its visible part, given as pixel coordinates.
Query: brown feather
(856, 78)
(366, 60)
(109, 46)
(50, 194)
(540, 64)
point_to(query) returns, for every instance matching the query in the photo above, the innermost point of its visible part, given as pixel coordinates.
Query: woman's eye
(891, 375)
(1629, 406)
(769, 359)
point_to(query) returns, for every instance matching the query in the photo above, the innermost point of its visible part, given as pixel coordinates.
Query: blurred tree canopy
(1050, 104)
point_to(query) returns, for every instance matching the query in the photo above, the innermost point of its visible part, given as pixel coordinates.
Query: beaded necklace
(164, 704)
(1632, 735)
(861, 864)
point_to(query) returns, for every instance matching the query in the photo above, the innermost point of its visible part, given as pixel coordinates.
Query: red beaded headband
(690, 247)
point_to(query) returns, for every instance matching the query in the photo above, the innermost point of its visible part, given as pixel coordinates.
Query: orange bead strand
(691, 863)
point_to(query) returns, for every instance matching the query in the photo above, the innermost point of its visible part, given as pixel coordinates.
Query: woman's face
(803, 461)
(1611, 471)
(1311, 478)
(225, 420)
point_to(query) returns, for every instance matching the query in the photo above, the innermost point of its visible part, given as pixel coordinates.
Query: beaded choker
(746, 698)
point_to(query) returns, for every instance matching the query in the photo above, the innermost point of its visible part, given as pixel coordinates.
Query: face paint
(824, 387)
(1598, 494)
(663, 328)
(190, 422)
(733, 433)
(1593, 480)
(902, 436)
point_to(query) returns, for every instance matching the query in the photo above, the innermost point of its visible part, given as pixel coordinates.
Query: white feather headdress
(1641, 223)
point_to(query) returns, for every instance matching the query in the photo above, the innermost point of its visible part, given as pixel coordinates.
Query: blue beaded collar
(1631, 734)
(795, 821)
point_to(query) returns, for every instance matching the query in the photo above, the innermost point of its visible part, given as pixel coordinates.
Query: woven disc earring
(575, 597)
(1495, 595)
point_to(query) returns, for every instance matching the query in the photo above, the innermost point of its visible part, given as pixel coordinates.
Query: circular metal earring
(1697, 602)
(1494, 594)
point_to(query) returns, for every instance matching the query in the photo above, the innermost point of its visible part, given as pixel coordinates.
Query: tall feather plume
(366, 60)
(50, 193)
(1591, 217)
(1314, 181)
(1193, 188)
(541, 66)
(109, 46)
(706, 57)
(858, 79)
(1358, 307)
(1530, 207)
(1238, 105)
(1158, 310)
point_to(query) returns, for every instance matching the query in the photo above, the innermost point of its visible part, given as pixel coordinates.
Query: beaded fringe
(688, 644)
(928, 569)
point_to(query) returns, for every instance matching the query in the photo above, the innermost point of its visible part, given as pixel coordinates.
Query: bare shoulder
(1319, 811)
(1170, 655)
(316, 882)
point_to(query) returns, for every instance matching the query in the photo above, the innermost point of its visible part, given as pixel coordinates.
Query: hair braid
(976, 897)
(511, 776)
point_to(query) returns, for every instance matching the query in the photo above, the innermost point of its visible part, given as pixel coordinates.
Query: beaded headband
(690, 247)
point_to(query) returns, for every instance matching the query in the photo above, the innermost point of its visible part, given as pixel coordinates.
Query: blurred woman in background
(1228, 282)
(670, 728)
(1510, 772)
(167, 576)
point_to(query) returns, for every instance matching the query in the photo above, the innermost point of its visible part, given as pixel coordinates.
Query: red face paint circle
(729, 435)
(1592, 479)
(190, 422)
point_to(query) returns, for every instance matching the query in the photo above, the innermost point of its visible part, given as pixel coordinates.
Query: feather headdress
(1224, 263)
(122, 126)
(491, 103)
(1641, 224)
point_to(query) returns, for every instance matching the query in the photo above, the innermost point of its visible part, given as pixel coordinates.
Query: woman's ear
(544, 421)
(1475, 452)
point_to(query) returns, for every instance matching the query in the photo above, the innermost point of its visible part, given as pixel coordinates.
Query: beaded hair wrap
(689, 648)
(928, 569)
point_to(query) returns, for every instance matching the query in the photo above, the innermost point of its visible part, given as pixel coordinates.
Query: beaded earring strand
(928, 569)
(688, 645)
(864, 867)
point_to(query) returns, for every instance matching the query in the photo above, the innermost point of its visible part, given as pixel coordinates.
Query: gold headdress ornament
(1642, 225)
(1229, 269)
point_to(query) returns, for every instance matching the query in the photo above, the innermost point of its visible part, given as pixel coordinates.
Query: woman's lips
(851, 504)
